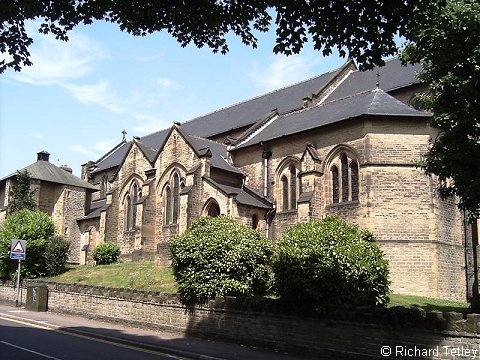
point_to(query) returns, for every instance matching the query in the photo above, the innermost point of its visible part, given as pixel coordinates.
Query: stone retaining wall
(347, 333)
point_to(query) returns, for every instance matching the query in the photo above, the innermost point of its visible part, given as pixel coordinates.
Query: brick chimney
(43, 156)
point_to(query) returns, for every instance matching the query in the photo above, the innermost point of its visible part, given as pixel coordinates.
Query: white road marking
(30, 351)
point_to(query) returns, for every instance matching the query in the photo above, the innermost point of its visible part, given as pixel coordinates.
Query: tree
(46, 253)
(21, 197)
(364, 30)
(216, 256)
(447, 44)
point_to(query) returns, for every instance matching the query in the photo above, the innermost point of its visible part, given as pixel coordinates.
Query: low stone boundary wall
(347, 333)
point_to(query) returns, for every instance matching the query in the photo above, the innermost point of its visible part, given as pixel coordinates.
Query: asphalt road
(20, 340)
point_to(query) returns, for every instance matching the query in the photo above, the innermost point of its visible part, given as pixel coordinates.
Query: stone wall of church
(419, 233)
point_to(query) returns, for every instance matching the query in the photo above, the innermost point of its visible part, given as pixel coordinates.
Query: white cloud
(100, 94)
(38, 136)
(283, 70)
(84, 151)
(56, 62)
(168, 84)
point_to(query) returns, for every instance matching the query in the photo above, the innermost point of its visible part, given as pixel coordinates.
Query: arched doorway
(211, 208)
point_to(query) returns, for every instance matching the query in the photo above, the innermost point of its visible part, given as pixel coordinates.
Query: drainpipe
(266, 154)
(465, 251)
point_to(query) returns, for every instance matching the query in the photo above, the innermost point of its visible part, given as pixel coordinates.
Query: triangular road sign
(18, 248)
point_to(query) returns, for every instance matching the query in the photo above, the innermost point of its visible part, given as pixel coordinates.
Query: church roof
(285, 100)
(243, 194)
(374, 102)
(46, 171)
(390, 77)
(250, 111)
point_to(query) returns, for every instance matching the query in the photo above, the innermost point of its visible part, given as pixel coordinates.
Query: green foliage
(325, 263)
(106, 253)
(56, 255)
(446, 41)
(364, 30)
(216, 256)
(46, 254)
(21, 197)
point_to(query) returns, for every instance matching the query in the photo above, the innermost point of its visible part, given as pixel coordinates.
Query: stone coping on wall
(396, 317)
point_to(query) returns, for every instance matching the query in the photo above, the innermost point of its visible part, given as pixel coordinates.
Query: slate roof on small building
(373, 102)
(46, 171)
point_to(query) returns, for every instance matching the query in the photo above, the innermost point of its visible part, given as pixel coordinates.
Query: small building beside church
(59, 193)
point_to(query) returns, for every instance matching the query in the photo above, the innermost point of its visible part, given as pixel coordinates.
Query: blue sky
(79, 95)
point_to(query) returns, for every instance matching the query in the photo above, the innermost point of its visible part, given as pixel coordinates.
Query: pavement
(155, 340)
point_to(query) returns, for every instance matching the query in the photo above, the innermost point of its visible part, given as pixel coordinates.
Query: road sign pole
(18, 284)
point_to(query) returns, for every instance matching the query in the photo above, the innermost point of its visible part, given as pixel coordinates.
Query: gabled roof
(218, 152)
(46, 171)
(374, 102)
(242, 194)
(113, 158)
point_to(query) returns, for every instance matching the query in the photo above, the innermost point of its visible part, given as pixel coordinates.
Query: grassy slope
(146, 276)
(137, 275)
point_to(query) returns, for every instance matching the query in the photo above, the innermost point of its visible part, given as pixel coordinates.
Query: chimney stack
(43, 156)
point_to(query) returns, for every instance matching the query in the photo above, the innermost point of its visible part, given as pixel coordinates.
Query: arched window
(287, 188)
(176, 197)
(134, 197)
(354, 179)
(284, 193)
(128, 205)
(335, 187)
(172, 199)
(345, 179)
(293, 187)
(344, 162)
(131, 199)
(168, 205)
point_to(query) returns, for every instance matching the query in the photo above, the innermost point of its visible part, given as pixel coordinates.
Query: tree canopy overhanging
(363, 30)
(447, 44)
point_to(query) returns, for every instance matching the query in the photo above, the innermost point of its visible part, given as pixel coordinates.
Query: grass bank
(136, 275)
(147, 276)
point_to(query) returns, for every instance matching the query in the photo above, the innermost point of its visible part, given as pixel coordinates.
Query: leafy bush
(56, 255)
(216, 256)
(324, 263)
(46, 254)
(106, 253)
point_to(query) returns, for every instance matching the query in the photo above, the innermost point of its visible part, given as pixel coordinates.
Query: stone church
(344, 143)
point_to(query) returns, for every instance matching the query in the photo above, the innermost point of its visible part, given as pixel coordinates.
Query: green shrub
(46, 254)
(216, 256)
(56, 255)
(106, 253)
(325, 263)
